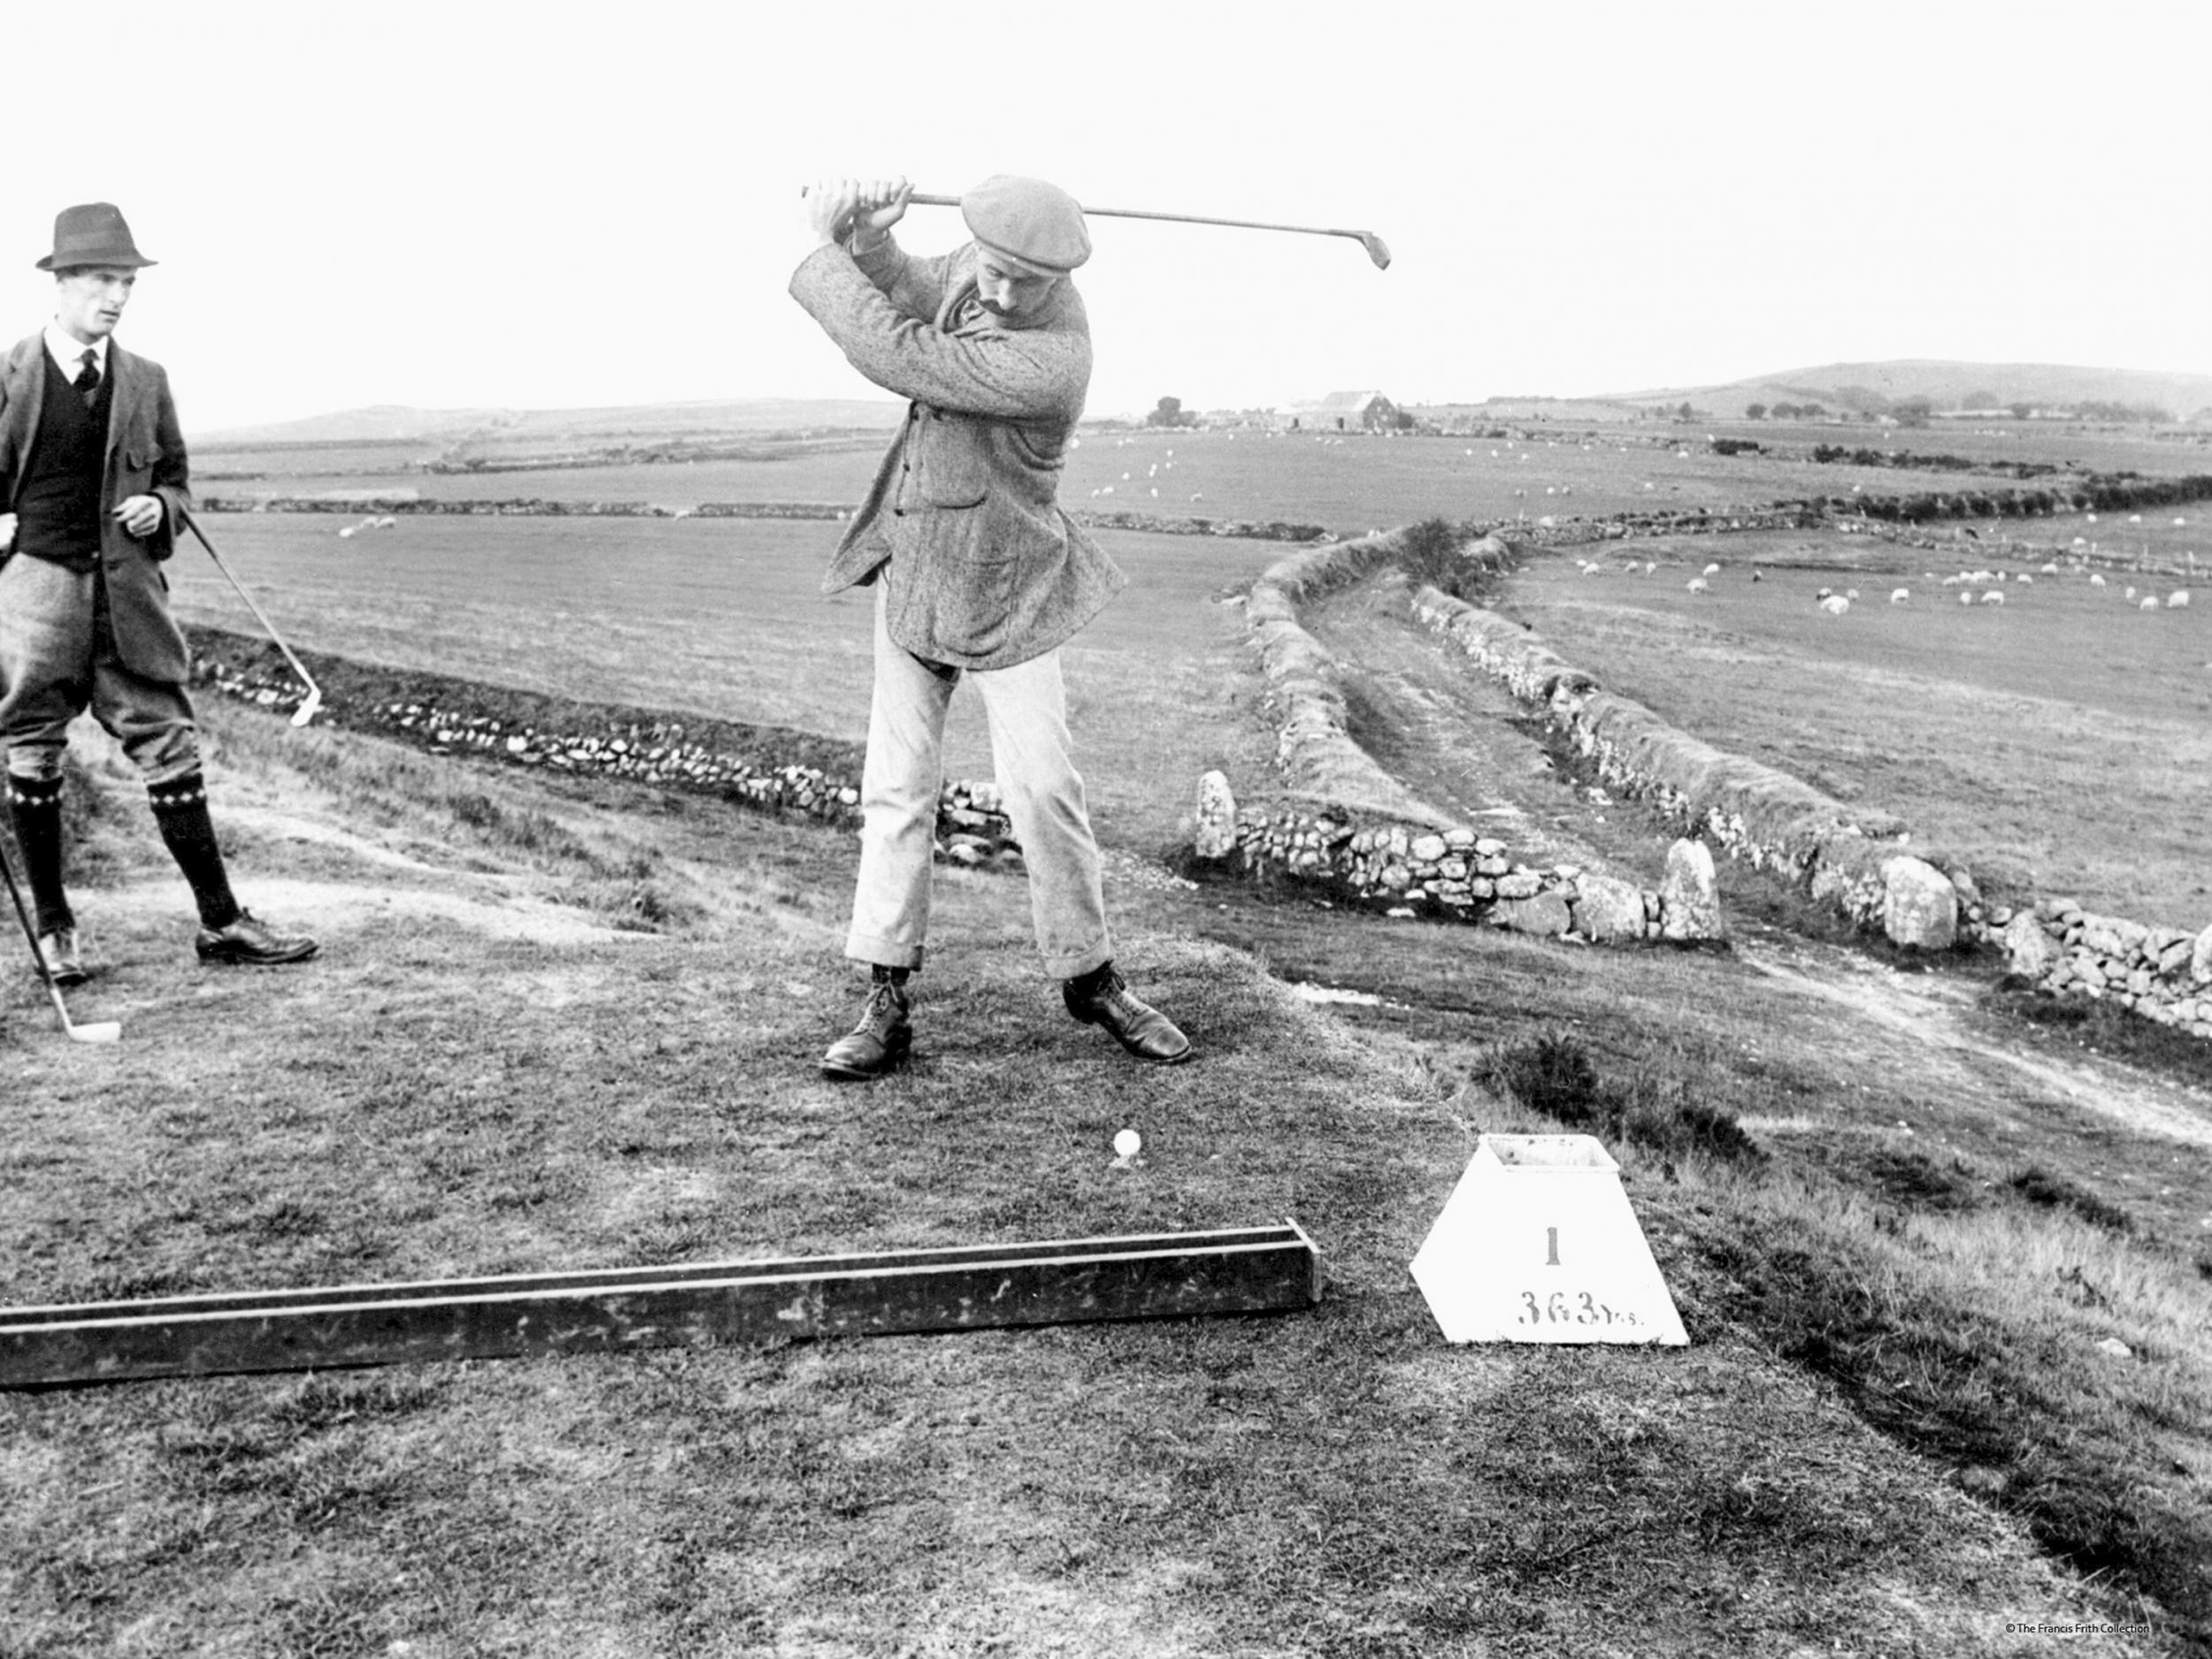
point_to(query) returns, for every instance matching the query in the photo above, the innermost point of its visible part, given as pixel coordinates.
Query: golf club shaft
(314, 691)
(1367, 238)
(1177, 219)
(30, 938)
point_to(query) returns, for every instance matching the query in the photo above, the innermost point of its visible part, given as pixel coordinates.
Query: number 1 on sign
(1552, 1234)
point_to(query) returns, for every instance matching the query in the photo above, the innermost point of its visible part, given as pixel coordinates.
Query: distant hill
(400, 423)
(1948, 386)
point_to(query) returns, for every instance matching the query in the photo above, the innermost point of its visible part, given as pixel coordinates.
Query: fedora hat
(92, 234)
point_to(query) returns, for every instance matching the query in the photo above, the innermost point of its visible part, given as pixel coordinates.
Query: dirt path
(1463, 744)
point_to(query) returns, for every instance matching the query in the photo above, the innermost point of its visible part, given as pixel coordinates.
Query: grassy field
(2065, 734)
(2022, 715)
(1343, 483)
(496, 1067)
(560, 1022)
(725, 616)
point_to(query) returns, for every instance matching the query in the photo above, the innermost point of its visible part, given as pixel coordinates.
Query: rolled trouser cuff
(1088, 961)
(878, 952)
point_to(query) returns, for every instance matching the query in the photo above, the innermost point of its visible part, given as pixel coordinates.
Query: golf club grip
(918, 199)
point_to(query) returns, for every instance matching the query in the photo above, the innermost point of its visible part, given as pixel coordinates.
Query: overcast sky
(546, 205)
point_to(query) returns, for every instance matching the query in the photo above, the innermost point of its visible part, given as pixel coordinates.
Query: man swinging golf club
(977, 572)
(93, 479)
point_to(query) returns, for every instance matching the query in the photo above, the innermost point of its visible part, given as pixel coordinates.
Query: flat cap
(1038, 224)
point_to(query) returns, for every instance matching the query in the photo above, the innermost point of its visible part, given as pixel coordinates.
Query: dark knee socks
(181, 810)
(35, 811)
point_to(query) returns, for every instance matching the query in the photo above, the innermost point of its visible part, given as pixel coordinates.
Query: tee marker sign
(1537, 1244)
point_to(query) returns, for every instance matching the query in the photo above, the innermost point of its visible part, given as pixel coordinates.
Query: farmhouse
(1340, 411)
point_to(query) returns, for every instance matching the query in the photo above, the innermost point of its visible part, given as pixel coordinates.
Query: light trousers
(1032, 755)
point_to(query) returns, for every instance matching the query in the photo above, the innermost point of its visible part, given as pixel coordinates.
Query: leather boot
(883, 1038)
(1100, 998)
(250, 940)
(63, 960)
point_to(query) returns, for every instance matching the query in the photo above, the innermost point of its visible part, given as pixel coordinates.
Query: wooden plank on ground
(1243, 1269)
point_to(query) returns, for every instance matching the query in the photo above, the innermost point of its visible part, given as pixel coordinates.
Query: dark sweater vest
(57, 510)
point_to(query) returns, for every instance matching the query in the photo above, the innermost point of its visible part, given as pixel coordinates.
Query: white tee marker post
(1537, 1244)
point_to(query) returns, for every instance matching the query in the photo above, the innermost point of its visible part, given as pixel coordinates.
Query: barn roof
(1342, 402)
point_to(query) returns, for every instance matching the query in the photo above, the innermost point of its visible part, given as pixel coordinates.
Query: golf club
(1367, 238)
(100, 1031)
(313, 700)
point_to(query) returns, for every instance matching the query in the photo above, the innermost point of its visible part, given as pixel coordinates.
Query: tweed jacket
(985, 570)
(145, 456)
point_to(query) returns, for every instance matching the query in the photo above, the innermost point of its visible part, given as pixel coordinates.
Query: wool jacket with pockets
(145, 456)
(985, 570)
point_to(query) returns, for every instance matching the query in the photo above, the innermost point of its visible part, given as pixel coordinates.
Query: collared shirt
(68, 352)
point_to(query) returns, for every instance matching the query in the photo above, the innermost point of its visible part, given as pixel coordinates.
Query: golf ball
(1127, 1143)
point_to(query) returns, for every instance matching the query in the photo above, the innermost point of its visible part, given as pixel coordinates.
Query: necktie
(88, 380)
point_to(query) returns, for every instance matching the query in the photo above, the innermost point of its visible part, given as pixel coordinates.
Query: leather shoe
(248, 939)
(1102, 999)
(884, 1037)
(64, 964)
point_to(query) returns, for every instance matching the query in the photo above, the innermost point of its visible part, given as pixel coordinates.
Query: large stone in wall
(1609, 907)
(1689, 897)
(1920, 907)
(1216, 836)
(2200, 962)
(1546, 915)
(2030, 952)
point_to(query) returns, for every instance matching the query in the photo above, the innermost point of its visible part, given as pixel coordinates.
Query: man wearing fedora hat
(93, 477)
(977, 573)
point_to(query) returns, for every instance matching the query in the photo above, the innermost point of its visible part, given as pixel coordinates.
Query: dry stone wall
(756, 766)
(403, 502)
(1449, 874)
(2163, 973)
(1392, 850)
(1857, 861)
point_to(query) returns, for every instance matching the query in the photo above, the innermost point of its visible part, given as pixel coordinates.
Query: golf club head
(1376, 250)
(99, 1031)
(311, 705)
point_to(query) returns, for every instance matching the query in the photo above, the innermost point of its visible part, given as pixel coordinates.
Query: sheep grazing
(1966, 599)
(1824, 594)
(348, 531)
(1850, 592)
(1712, 570)
(1835, 604)
(2050, 570)
(2024, 577)
(2150, 602)
(2178, 600)
(2095, 580)
(1898, 595)
(1697, 584)
(1993, 597)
